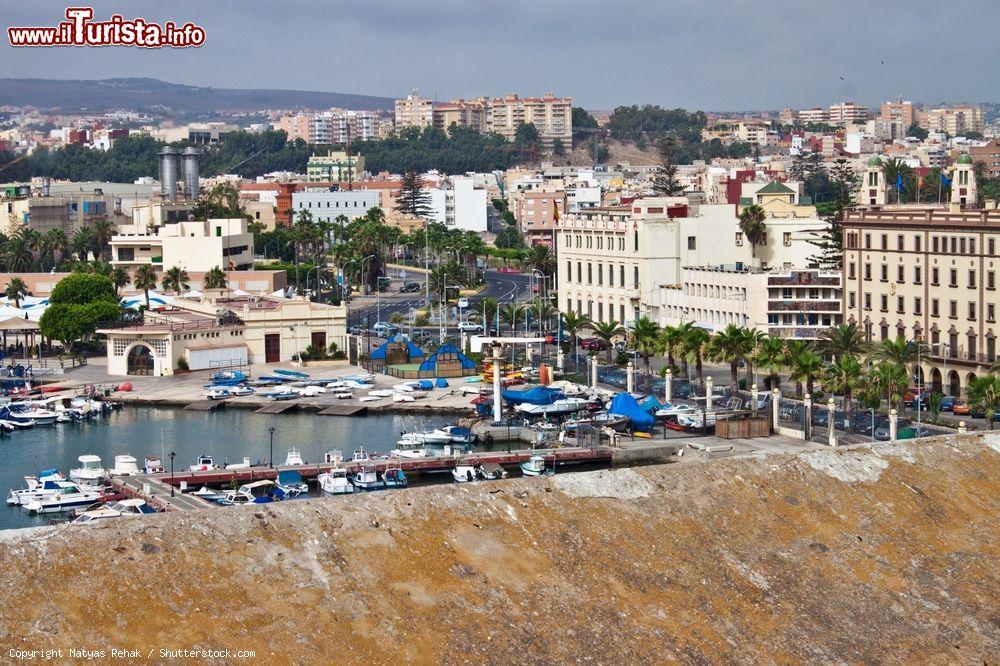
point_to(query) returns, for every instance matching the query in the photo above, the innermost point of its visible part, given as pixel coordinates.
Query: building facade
(414, 111)
(328, 205)
(336, 165)
(191, 245)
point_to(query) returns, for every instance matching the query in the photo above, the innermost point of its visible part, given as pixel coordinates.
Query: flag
(555, 212)
(232, 266)
(899, 182)
(945, 180)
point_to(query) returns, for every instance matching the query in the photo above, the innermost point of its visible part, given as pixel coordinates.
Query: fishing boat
(228, 378)
(406, 448)
(563, 406)
(204, 464)
(335, 482)
(66, 496)
(45, 483)
(291, 373)
(290, 481)
(90, 472)
(24, 412)
(122, 509)
(360, 455)
(465, 473)
(293, 458)
(535, 466)
(366, 478)
(393, 476)
(153, 465)
(258, 492)
(125, 466)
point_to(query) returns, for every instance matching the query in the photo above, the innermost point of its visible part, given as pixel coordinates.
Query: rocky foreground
(889, 554)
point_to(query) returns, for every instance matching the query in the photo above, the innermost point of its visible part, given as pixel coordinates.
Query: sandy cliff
(885, 555)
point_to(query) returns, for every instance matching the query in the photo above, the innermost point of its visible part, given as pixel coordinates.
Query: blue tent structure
(540, 395)
(650, 404)
(414, 352)
(625, 405)
(447, 361)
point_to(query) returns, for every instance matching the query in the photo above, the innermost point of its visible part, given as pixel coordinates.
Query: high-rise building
(898, 110)
(954, 121)
(846, 113)
(552, 116)
(414, 111)
(335, 166)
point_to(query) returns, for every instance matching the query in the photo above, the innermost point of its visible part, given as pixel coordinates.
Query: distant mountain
(140, 94)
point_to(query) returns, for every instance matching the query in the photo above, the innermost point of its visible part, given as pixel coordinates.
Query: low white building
(457, 202)
(328, 205)
(191, 245)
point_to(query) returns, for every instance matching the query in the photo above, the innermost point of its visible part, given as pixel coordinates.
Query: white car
(463, 303)
(469, 327)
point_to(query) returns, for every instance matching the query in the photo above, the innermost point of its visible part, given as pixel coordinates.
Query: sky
(715, 55)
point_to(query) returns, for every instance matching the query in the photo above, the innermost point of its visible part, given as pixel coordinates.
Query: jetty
(205, 405)
(277, 407)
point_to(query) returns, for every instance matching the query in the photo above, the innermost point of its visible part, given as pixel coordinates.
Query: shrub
(182, 364)
(421, 319)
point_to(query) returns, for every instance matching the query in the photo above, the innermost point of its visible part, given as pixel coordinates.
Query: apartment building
(927, 273)
(333, 127)
(192, 245)
(989, 156)
(846, 113)
(457, 202)
(536, 212)
(460, 112)
(814, 115)
(414, 111)
(336, 165)
(552, 116)
(898, 110)
(954, 121)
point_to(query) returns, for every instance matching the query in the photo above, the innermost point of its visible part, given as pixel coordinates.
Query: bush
(421, 319)
(182, 364)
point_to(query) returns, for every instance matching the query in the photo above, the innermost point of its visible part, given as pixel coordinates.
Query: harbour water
(228, 435)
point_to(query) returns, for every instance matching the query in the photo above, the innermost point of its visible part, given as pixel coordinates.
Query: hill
(884, 554)
(139, 93)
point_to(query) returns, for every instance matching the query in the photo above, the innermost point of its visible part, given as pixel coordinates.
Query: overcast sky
(706, 54)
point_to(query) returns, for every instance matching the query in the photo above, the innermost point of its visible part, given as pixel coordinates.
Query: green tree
(119, 278)
(752, 225)
(574, 324)
(671, 342)
(144, 280)
(558, 149)
(540, 258)
(842, 340)
(644, 337)
(16, 290)
(731, 345)
(898, 350)
(695, 346)
(984, 396)
(77, 305)
(891, 380)
(176, 279)
(102, 229)
(771, 356)
(804, 367)
(511, 313)
(607, 331)
(215, 278)
(412, 199)
(843, 377)
(665, 181)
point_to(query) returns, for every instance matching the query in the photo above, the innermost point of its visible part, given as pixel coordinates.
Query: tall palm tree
(695, 346)
(644, 337)
(542, 311)
(18, 255)
(984, 396)
(56, 246)
(574, 324)
(216, 279)
(102, 229)
(607, 331)
(82, 243)
(176, 279)
(805, 366)
(145, 279)
(899, 351)
(772, 357)
(119, 278)
(489, 310)
(752, 339)
(892, 379)
(511, 313)
(842, 340)
(752, 225)
(16, 290)
(729, 346)
(540, 258)
(843, 376)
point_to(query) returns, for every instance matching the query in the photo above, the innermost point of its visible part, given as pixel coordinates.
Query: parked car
(594, 344)
(469, 327)
(357, 330)
(463, 303)
(947, 402)
(410, 288)
(960, 408)
(384, 329)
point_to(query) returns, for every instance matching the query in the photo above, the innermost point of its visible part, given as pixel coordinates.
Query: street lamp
(270, 457)
(172, 454)
(370, 256)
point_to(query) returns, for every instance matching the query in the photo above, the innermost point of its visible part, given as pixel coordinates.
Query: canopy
(17, 324)
(413, 351)
(155, 300)
(240, 292)
(625, 405)
(540, 395)
(449, 353)
(193, 293)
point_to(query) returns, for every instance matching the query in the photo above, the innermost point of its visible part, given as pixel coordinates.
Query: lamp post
(270, 457)
(317, 278)
(370, 256)
(172, 454)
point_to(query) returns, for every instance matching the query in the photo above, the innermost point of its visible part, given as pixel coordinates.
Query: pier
(205, 405)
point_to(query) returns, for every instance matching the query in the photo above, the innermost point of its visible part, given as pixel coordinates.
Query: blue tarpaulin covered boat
(625, 405)
(540, 395)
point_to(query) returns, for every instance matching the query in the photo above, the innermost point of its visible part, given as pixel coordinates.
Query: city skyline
(557, 47)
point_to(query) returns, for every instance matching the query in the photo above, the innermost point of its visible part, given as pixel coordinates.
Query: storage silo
(191, 177)
(168, 173)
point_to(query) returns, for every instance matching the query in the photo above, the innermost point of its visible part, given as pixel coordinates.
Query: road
(502, 286)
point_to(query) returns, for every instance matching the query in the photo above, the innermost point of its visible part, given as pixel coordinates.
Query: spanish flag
(555, 212)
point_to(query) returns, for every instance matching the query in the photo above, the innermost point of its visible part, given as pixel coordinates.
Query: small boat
(258, 492)
(205, 464)
(437, 436)
(335, 482)
(290, 481)
(291, 373)
(366, 478)
(18, 425)
(19, 411)
(309, 391)
(363, 378)
(218, 394)
(616, 422)
(465, 473)
(239, 465)
(281, 393)
(564, 406)
(45, 483)
(457, 434)
(208, 494)
(535, 466)
(406, 448)
(402, 397)
(124, 466)
(121, 509)
(228, 378)
(66, 496)
(153, 465)
(405, 387)
(90, 472)
(696, 419)
(674, 410)
(381, 393)
(394, 477)
(242, 389)
(263, 381)
(369, 398)
(360, 455)
(293, 458)
(343, 395)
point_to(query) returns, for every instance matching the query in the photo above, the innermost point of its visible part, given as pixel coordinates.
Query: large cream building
(192, 245)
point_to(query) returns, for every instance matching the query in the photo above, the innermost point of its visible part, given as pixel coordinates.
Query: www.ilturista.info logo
(79, 29)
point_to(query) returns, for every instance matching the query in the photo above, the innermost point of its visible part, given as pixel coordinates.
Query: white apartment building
(457, 202)
(192, 245)
(328, 205)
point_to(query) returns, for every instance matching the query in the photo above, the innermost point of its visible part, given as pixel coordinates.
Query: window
(972, 279)
(621, 275)
(954, 278)
(934, 307)
(126, 254)
(961, 245)
(691, 242)
(900, 244)
(850, 300)
(972, 348)
(885, 273)
(885, 241)
(934, 244)
(569, 271)
(850, 270)
(934, 276)
(900, 278)
(868, 241)
(868, 271)
(600, 274)
(916, 243)
(917, 276)
(991, 280)
(953, 309)
(972, 311)
(868, 301)
(900, 304)
(611, 275)
(990, 246)
(991, 312)
(636, 277)
(953, 244)
(579, 272)
(917, 306)
(884, 303)
(787, 238)
(739, 239)
(972, 246)
(590, 273)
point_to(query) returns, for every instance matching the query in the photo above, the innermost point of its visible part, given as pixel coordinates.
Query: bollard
(807, 403)
(560, 359)
(961, 428)
(775, 402)
(893, 420)
(708, 396)
(593, 371)
(668, 386)
(753, 398)
(630, 377)
(833, 418)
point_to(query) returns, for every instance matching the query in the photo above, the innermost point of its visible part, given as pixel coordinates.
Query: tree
(671, 340)
(77, 305)
(222, 201)
(573, 324)
(843, 376)
(892, 379)
(644, 337)
(917, 132)
(16, 290)
(17, 252)
(525, 138)
(412, 198)
(510, 313)
(695, 345)
(102, 229)
(176, 279)
(772, 357)
(984, 396)
(583, 122)
(842, 340)
(540, 258)
(843, 182)
(731, 345)
(558, 149)
(899, 351)
(119, 278)
(752, 225)
(489, 310)
(897, 170)
(607, 331)
(82, 243)
(144, 280)
(215, 278)
(665, 181)
(805, 366)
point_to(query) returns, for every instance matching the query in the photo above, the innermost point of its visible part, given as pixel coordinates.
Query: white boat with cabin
(122, 509)
(90, 472)
(67, 495)
(125, 465)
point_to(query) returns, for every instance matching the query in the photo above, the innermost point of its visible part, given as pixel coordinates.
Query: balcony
(805, 280)
(804, 306)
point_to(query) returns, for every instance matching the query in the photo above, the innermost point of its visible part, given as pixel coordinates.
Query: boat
(24, 412)
(696, 419)
(363, 378)
(381, 393)
(360, 455)
(208, 494)
(464, 473)
(406, 448)
(335, 482)
(121, 509)
(457, 434)
(7, 426)
(369, 398)
(366, 478)
(674, 410)
(218, 394)
(90, 472)
(291, 373)
(293, 457)
(65, 496)
(65, 407)
(228, 378)
(262, 381)
(242, 389)
(205, 464)
(290, 481)
(563, 406)
(394, 476)
(535, 466)
(436, 436)
(343, 395)
(10, 426)
(281, 393)
(245, 464)
(258, 492)
(402, 397)
(153, 465)
(124, 466)
(309, 391)
(46, 483)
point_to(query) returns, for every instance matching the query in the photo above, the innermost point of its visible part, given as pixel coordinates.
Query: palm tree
(489, 312)
(752, 225)
(984, 396)
(102, 230)
(573, 324)
(729, 346)
(671, 341)
(100, 268)
(899, 351)
(771, 356)
(16, 290)
(752, 339)
(540, 258)
(607, 331)
(82, 243)
(17, 253)
(842, 340)
(695, 345)
(892, 379)
(56, 246)
(119, 278)
(216, 279)
(176, 279)
(843, 376)
(145, 279)
(644, 337)
(542, 311)
(510, 313)
(806, 366)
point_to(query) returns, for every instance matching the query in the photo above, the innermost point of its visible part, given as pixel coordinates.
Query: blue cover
(447, 352)
(650, 404)
(625, 405)
(291, 373)
(288, 476)
(413, 351)
(540, 395)
(442, 382)
(425, 385)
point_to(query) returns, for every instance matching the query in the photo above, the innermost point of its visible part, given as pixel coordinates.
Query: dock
(205, 405)
(156, 493)
(344, 410)
(277, 407)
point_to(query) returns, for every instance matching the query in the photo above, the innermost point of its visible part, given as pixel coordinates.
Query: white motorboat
(258, 492)
(293, 457)
(205, 464)
(360, 455)
(63, 406)
(405, 387)
(309, 391)
(17, 425)
(208, 494)
(67, 496)
(402, 397)
(242, 389)
(696, 419)
(245, 464)
(343, 395)
(335, 482)
(457, 434)
(369, 398)
(46, 482)
(564, 406)
(464, 473)
(381, 393)
(125, 466)
(674, 410)
(535, 466)
(153, 465)
(437, 436)
(366, 478)
(90, 472)
(218, 394)
(20, 411)
(394, 476)
(121, 509)
(406, 448)
(479, 472)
